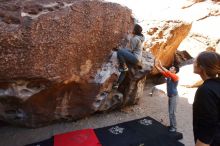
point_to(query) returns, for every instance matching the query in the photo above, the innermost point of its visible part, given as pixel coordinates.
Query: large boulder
(55, 60)
(163, 39)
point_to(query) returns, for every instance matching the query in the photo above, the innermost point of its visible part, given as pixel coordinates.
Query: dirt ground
(153, 105)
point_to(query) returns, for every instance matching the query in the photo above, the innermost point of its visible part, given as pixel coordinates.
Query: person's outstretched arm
(159, 66)
(163, 68)
(156, 64)
(165, 72)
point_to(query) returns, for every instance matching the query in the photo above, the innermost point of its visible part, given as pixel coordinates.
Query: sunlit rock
(163, 39)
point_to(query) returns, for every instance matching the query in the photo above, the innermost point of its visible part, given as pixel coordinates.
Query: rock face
(55, 60)
(163, 39)
(199, 38)
(59, 43)
(182, 58)
(130, 90)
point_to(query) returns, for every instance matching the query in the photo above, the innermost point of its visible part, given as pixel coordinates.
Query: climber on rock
(131, 56)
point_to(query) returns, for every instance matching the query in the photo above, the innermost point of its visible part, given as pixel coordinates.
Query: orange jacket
(168, 74)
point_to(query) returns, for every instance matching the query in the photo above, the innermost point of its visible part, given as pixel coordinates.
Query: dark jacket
(206, 112)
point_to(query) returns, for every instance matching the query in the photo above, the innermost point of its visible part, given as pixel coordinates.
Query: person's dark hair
(137, 30)
(210, 62)
(177, 68)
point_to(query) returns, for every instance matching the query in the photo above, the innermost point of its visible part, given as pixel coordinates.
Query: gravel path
(154, 106)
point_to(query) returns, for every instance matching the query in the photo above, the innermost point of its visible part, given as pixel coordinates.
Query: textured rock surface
(195, 43)
(163, 39)
(47, 43)
(131, 89)
(182, 58)
(54, 60)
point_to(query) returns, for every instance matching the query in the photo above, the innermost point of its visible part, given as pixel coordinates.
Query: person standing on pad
(172, 93)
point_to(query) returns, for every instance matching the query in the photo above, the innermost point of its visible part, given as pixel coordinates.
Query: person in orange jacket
(172, 93)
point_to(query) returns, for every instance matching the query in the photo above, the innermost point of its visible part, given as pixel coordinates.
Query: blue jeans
(172, 102)
(125, 56)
